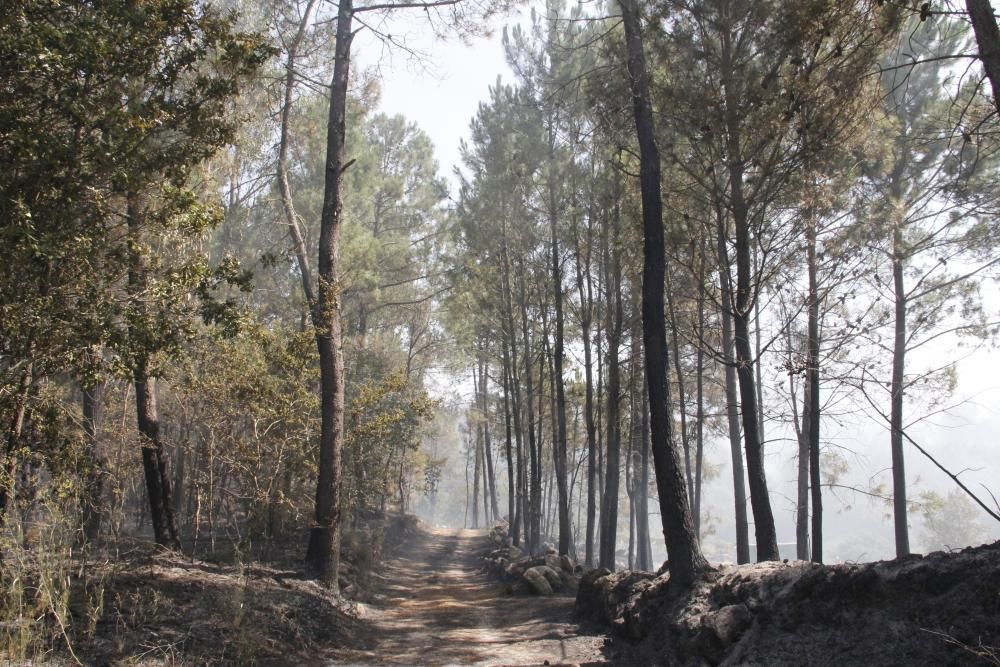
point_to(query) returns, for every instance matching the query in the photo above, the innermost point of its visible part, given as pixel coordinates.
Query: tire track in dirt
(434, 607)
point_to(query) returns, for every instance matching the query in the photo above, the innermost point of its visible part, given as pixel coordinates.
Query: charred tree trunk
(699, 443)
(154, 460)
(154, 463)
(324, 539)
(767, 542)
(487, 443)
(584, 287)
(559, 444)
(477, 457)
(896, 406)
(613, 327)
(802, 477)
(520, 517)
(732, 409)
(681, 389)
(508, 443)
(812, 405)
(533, 516)
(686, 560)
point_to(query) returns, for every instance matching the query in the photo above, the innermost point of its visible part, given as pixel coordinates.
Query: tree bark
(896, 406)
(521, 514)
(732, 409)
(487, 444)
(508, 444)
(767, 542)
(613, 329)
(154, 460)
(699, 454)
(813, 405)
(284, 138)
(586, 315)
(644, 547)
(686, 560)
(559, 445)
(984, 24)
(533, 517)
(477, 458)
(802, 477)
(681, 389)
(324, 539)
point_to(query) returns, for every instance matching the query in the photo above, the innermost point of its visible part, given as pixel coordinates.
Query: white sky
(441, 87)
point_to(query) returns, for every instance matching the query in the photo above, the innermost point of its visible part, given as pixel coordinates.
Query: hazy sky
(441, 87)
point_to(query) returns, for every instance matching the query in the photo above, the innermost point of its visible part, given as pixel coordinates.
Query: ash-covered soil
(938, 609)
(435, 606)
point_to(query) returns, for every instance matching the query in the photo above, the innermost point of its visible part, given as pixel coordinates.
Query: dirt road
(434, 607)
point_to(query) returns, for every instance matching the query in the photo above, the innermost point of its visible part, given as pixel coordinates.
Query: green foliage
(102, 100)
(247, 405)
(382, 442)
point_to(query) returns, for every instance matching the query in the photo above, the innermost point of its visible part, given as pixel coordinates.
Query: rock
(537, 581)
(554, 577)
(553, 561)
(514, 553)
(729, 623)
(549, 548)
(589, 605)
(567, 563)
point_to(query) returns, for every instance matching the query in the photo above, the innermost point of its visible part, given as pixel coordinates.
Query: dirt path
(436, 608)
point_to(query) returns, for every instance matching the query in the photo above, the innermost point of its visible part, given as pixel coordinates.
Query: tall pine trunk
(767, 541)
(732, 407)
(613, 328)
(681, 388)
(896, 393)
(699, 440)
(559, 445)
(487, 443)
(802, 476)
(508, 444)
(585, 290)
(477, 457)
(534, 509)
(812, 406)
(686, 560)
(520, 522)
(324, 540)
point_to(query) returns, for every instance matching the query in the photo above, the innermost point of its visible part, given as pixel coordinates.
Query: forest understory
(413, 595)
(417, 595)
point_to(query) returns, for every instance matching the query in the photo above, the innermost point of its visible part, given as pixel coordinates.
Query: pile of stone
(541, 575)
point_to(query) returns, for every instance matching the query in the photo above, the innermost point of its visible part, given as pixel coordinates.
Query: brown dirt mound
(938, 609)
